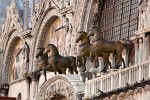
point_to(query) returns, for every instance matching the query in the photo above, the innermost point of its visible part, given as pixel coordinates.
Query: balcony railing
(118, 79)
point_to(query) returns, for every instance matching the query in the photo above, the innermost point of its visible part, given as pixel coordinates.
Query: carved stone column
(140, 49)
(136, 52)
(125, 57)
(32, 7)
(80, 70)
(26, 14)
(101, 64)
(34, 87)
(146, 48)
(27, 89)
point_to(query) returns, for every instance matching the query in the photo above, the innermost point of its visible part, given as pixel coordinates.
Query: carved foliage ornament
(57, 85)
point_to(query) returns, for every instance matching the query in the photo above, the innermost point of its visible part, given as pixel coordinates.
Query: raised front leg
(44, 72)
(84, 63)
(54, 67)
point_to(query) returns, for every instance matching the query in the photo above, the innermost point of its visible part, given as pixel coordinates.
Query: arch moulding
(57, 85)
(14, 37)
(41, 30)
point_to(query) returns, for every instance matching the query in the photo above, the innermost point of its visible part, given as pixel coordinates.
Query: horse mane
(54, 48)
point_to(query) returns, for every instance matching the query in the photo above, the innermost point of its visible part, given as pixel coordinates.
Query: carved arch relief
(57, 86)
(12, 66)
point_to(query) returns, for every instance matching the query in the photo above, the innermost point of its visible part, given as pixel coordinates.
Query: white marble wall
(19, 87)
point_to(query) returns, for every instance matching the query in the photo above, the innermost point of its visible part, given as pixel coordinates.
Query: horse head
(40, 51)
(52, 49)
(81, 36)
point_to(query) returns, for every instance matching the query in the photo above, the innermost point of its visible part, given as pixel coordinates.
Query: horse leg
(75, 69)
(54, 67)
(96, 64)
(73, 65)
(119, 58)
(84, 63)
(63, 71)
(123, 62)
(71, 70)
(60, 71)
(44, 71)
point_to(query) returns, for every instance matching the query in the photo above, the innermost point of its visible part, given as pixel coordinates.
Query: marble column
(146, 48)
(136, 61)
(101, 63)
(27, 89)
(34, 87)
(26, 14)
(80, 70)
(32, 7)
(140, 49)
(125, 57)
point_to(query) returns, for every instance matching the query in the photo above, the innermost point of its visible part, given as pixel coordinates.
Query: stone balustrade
(118, 79)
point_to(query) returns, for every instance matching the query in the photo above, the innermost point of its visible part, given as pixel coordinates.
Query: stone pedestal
(101, 64)
(94, 71)
(125, 57)
(34, 84)
(80, 70)
(34, 88)
(112, 60)
(27, 89)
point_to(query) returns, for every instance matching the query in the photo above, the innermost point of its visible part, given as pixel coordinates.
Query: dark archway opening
(58, 97)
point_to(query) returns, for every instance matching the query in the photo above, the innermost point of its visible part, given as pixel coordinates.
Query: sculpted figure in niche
(68, 26)
(26, 52)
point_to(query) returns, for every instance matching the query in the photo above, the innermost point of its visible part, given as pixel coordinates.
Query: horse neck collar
(84, 44)
(97, 39)
(54, 55)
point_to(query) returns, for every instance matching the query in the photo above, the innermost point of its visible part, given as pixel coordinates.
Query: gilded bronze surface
(42, 62)
(102, 45)
(60, 62)
(86, 50)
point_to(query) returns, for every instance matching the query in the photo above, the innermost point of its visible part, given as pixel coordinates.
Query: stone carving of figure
(26, 52)
(68, 26)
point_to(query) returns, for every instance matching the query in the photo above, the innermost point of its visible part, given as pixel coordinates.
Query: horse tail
(126, 42)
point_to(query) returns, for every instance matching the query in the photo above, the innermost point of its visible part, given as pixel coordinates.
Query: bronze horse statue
(102, 45)
(42, 62)
(86, 50)
(60, 62)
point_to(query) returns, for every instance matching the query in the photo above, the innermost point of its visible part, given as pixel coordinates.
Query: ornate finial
(13, 3)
